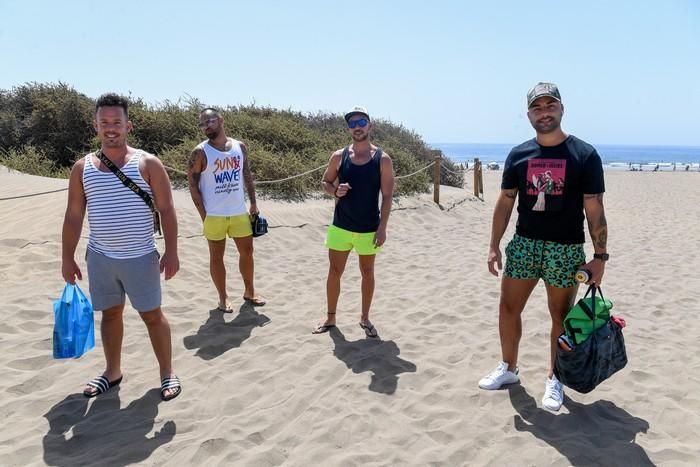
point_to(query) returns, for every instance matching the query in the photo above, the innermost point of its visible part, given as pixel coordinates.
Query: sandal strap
(170, 383)
(100, 383)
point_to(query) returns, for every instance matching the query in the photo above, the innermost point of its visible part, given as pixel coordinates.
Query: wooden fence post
(436, 180)
(481, 180)
(477, 164)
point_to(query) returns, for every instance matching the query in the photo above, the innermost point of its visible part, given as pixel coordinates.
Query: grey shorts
(110, 279)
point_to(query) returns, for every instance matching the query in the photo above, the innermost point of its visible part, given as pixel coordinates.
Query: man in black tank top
(355, 176)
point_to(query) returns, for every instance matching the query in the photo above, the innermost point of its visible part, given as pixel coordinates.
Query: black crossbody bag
(133, 187)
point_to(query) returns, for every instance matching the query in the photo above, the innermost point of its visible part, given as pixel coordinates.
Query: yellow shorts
(217, 227)
(343, 240)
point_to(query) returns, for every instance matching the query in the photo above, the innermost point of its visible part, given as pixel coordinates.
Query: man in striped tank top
(122, 259)
(356, 176)
(219, 177)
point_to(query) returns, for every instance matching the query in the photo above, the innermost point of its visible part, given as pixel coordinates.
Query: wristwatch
(601, 256)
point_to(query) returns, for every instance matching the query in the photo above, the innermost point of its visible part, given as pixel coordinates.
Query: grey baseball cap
(541, 90)
(357, 110)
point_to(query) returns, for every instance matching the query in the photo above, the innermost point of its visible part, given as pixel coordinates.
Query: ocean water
(614, 156)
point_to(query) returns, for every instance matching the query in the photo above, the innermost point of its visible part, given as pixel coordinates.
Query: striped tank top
(121, 224)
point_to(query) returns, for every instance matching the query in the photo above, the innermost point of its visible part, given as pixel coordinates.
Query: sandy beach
(260, 390)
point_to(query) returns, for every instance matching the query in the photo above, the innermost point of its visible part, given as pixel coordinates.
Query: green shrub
(54, 118)
(30, 161)
(53, 124)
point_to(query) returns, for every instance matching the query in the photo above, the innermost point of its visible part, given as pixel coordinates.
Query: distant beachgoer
(554, 236)
(355, 176)
(121, 250)
(219, 177)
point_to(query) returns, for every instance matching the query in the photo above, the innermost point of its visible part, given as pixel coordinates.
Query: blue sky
(629, 71)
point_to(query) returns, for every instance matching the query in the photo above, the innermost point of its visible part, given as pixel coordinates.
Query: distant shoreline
(618, 157)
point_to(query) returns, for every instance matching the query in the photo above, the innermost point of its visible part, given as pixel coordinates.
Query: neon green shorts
(217, 227)
(343, 240)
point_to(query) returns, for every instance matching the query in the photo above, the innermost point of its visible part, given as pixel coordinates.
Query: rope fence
(458, 172)
(32, 194)
(416, 172)
(270, 182)
(476, 168)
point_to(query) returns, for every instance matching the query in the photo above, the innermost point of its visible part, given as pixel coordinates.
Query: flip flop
(370, 330)
(321, 328)
(227, 309)
(171, 382)
(101, 385)
(255, 301)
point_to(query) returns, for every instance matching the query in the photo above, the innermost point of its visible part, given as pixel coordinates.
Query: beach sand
(259, 389)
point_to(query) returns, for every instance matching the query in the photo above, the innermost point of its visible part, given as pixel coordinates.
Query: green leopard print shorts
(554, 262)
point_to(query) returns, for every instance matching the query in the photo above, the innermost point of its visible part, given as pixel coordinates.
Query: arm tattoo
(194, 179)
(600, 234)
(193, 175)
(511, 193)
(248, 176)
(598, 228)
(598, 197)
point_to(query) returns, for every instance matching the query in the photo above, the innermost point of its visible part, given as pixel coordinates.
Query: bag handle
(591, 311)
(68, 293)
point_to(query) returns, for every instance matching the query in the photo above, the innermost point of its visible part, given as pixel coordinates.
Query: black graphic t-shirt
(551, 182)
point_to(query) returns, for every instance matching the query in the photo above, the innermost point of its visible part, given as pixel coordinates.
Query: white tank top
(221, 183)
(121, 224)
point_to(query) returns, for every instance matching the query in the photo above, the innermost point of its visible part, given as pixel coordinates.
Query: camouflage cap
(541, 90)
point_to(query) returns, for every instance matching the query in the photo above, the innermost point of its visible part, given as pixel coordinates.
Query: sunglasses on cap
(355, 123)
(207, 122)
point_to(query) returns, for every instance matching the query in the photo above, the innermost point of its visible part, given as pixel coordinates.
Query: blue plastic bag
(74, 327)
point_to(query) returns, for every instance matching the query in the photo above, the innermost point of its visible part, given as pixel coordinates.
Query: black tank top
(358, 210)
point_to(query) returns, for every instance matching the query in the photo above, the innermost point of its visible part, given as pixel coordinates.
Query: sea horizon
(612, 155)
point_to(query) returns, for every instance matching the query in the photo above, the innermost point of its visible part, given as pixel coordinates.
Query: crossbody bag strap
(130, 184)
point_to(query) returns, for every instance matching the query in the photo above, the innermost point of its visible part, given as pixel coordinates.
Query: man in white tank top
(219, 177)
(121, 255)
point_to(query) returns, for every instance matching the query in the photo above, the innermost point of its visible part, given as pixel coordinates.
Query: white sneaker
(553, 394)
(499, 377)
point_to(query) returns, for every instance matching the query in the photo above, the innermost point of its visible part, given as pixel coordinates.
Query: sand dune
(260, 390)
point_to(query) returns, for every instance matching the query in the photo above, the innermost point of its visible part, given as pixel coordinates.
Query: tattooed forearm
(599, 232)
(600, 238)
(597, 223)
(249, 185)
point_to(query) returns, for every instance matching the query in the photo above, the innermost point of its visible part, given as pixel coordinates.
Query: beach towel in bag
(581, 321)
(74, 326)
(595, 359)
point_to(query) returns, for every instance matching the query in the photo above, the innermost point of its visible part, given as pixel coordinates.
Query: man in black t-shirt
(556, 178)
